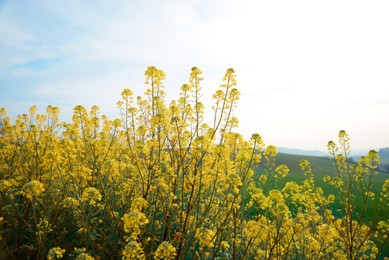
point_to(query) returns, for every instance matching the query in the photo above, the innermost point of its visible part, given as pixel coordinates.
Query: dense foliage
(161, 183)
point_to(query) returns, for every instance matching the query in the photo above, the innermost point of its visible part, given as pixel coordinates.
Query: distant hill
(302, 152)
(321, 165)
(355, 154)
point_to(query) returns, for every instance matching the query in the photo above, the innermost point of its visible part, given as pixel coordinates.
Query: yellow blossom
(33, 189)
(91, 195)
(224, 245)
(55, 253)
(282, 170)
(5, 185)
(165, 251)
(70, 202)
(133, 250)
(133, 221)
(206, 237)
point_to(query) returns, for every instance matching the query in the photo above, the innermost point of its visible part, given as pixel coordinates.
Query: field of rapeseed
(161, 183)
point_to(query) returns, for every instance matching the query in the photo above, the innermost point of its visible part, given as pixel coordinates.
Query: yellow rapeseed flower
(70, 202)
(33, 189)
(282, 170)
(206, 237)
(55, 253)
(165, 251)
(139, 203)
(91, 195)
(133, 221)
(133, 250)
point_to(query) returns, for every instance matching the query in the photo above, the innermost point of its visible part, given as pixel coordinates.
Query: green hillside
(322, 166)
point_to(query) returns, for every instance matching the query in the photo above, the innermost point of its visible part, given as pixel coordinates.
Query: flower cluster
(55, 253)
(91, 195)
(33, 189)
(165, 251)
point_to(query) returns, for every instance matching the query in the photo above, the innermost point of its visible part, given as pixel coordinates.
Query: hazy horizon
(305, 69)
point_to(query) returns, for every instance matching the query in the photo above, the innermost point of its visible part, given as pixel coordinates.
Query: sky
(305, 69)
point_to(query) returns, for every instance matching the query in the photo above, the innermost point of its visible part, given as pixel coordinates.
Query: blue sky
(306, 69)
